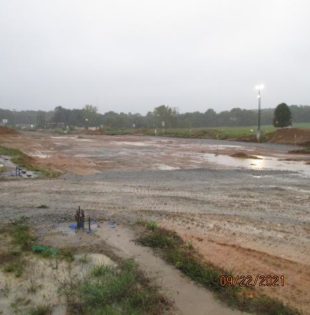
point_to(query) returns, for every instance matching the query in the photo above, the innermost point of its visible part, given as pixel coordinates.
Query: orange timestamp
(261, 280)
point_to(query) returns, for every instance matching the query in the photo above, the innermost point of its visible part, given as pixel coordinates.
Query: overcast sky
(133, 55)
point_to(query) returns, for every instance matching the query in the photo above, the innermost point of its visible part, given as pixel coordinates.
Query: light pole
(259, 89)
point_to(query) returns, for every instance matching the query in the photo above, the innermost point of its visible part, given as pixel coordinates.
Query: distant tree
(110, 120)
(90, 115)
(165, 115)
(300, 113)
(282, 116)
(210, 118)
(41, 119)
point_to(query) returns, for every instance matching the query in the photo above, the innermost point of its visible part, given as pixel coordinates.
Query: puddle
(40, 155)
(83, 139)
(10, 169)
(72, 229)
(137, 144)
(165, 167)
(29, 174)
(61, 137)
(263, 163)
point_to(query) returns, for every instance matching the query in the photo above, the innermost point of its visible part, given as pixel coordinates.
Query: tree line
(161, 117)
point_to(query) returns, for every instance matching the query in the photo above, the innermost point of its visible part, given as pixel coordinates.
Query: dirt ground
(248, 215)
(291, 136)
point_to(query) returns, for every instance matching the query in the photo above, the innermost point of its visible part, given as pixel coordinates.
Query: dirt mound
(7, 131)
(291, 136)
(243, 155)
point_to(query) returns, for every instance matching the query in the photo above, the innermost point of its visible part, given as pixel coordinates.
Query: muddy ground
(248, 215)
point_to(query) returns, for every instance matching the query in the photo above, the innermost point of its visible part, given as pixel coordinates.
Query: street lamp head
(259, 87)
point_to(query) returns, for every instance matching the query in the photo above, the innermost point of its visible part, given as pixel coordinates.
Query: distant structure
(4, 122)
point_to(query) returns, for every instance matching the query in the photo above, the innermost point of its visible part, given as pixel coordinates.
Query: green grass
(16, 267)
(22, 240)
(176, 252)
(221, 133)
(114, 290)
(40, 310)
(118, 132)
(21, 234)
(52, 252)
(66, 254)
(302, 125)
(225, 133)
(305, 150)
(152, 225)
(23, 160)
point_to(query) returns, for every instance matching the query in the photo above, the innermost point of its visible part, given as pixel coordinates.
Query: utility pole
(259, 88)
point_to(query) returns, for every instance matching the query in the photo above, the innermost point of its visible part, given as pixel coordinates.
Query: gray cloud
(133, 55)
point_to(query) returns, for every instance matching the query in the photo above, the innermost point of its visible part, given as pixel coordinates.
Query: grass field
(220, 133)
(213, 133)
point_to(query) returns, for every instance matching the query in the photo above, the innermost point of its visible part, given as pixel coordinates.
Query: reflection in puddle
(164, 167)
(263, 163)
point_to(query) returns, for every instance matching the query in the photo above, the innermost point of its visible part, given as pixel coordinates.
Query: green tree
(282, 116)
(165, 116)
(60, 115)
(41, 119)
(90, 115)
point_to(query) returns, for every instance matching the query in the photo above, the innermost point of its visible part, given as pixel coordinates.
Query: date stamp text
(261, 280)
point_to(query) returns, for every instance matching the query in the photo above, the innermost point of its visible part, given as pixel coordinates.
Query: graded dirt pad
(247, 215)
(84, 155)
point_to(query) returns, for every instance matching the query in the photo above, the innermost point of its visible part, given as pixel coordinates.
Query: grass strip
(21, 234)
(23, 160)
(40, 310)
(183, 256)
(22, 239)
(121, 290)
(225, 133)
(305, 150)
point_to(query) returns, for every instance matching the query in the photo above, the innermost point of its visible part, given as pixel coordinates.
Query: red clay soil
(291, 136)
(7, 131)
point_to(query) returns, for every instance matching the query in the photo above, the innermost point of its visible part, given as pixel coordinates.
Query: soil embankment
(291, 136)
